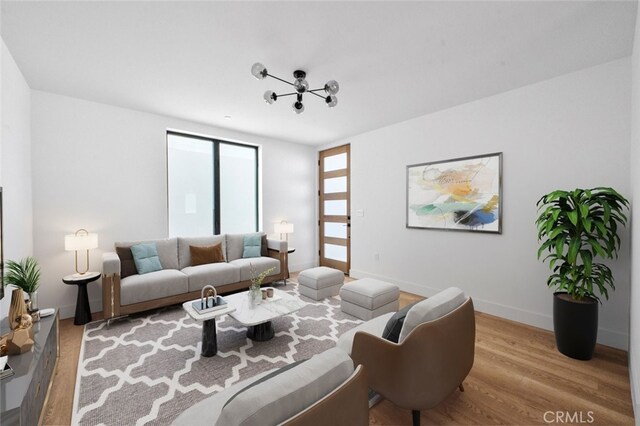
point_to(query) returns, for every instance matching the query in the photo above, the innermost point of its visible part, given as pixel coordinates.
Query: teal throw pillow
(252, 245)
(145, 256)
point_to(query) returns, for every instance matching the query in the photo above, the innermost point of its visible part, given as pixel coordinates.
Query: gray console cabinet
(23, 395)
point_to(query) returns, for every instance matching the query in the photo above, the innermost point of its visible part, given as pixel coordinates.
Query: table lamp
(285, 228)
(81, 240)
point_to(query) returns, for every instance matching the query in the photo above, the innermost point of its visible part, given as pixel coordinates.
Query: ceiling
(394, 60)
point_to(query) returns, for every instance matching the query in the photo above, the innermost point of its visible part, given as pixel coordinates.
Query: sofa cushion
(432, 308)
(281, 397)
(154, 285)
(235, 245)
(215, 274)
(184, 253)
(394, 325)
(207, 411)
(260, 263)
(167, 251)
(252, 244)
(127, 265)
(145, 256)
(208, 254)
(374, 327)
(271, 375)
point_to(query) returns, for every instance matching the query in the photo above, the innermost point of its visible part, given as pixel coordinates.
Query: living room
(91, 91)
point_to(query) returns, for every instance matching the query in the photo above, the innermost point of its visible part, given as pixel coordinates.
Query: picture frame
(459, 194)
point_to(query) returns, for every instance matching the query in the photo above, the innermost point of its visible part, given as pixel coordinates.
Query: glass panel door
(335, 243)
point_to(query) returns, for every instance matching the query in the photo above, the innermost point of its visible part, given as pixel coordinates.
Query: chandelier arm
(316, 90)
(314, 93)
(287, 94)
(279, 79)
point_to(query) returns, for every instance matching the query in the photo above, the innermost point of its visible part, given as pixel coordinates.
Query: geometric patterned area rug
(148, 369)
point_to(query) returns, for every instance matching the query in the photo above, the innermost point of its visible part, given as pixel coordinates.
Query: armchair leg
(416, 417)
(461, 387)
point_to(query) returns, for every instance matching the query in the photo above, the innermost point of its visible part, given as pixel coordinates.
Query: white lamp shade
(80, 242)
(283, 228)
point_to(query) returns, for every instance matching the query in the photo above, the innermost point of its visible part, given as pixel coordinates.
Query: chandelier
(300, 85)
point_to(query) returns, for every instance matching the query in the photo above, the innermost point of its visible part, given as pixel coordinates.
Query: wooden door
(335, 207)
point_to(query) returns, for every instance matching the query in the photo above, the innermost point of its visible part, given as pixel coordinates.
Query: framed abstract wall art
(462, 194)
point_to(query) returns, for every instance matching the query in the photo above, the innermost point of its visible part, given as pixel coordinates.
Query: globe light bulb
(270, 97)
(298, 107)
(331, 101)
(301, 85)
(259, 71)
(332, 87)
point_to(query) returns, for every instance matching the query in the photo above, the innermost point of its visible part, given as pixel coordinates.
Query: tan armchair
(426, 366)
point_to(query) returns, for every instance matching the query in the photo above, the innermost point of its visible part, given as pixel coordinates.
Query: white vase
(255, 297)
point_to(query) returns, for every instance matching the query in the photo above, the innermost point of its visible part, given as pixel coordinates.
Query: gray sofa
(179, 281)
(325, 389)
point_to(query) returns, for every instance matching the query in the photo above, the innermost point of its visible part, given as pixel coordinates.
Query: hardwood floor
(518, 378)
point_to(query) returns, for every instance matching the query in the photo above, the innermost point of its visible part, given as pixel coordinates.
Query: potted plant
(26, 276)
(255, 294)
(575, 228)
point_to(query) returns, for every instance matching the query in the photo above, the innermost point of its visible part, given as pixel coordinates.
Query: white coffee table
(258, 319)
(209, 336)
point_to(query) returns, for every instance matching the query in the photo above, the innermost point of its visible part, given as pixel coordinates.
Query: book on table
(6, 370)
(209, 304)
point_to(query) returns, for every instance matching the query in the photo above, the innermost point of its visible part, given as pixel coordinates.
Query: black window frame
(216, 176)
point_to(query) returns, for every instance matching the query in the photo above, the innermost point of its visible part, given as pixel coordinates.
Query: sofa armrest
(278, 245)
(110, 263)
(110, 285)
(346, 405)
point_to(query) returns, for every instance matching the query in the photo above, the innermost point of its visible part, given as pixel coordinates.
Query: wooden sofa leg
(416, 417)
(461, 387)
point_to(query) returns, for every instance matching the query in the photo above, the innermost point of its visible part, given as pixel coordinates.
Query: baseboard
(605, 336)
(69, 311)
(635, 388)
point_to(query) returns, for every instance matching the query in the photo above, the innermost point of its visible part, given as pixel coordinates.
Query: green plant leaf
(573, 217)
(607, 212)
(584, 211)
(24, 274)
(559, 243)
(586, 261)
(574, 246)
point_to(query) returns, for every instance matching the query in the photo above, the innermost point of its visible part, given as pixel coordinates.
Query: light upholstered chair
(325, 389)
(434, 353)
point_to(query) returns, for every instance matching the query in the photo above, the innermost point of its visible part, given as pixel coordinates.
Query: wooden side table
(83, 310)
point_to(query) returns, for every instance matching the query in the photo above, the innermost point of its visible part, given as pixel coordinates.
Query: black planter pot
(576, 325)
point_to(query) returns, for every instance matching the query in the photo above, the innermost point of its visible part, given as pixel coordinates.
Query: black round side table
(83, 310)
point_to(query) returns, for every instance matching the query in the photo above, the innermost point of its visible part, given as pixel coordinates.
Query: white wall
(103, 168)
(16, 160)
(15, 164)
(567, 132)
(634, 344)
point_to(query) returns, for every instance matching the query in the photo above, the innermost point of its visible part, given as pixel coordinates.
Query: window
(212, 185)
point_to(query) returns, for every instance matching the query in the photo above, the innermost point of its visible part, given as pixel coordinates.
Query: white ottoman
(320, 283)
(368, 298)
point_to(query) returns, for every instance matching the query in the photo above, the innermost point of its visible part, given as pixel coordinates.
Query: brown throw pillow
(207, 254)
(264, 251)
(127, 265)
